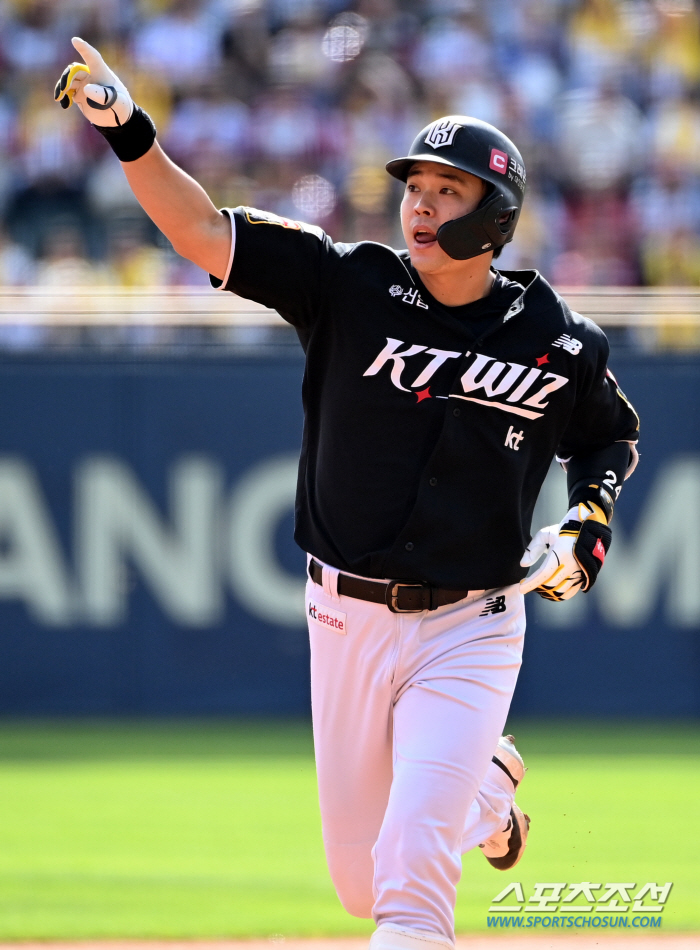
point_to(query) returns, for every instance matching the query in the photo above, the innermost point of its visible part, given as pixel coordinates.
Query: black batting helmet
(478, 148)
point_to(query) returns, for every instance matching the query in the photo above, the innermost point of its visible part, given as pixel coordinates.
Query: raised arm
(173, 200)
(182, 209)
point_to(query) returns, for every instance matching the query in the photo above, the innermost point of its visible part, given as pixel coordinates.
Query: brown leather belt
(399, 596)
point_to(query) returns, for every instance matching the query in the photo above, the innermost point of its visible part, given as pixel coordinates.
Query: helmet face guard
(480, 149)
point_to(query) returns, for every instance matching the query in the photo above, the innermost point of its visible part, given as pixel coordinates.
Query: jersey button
(409, 545)
(433, 482)
(456, 412)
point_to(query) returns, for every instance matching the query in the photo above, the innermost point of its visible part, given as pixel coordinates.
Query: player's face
(435, 194)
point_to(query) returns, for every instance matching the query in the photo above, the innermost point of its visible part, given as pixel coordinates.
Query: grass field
(178, 829)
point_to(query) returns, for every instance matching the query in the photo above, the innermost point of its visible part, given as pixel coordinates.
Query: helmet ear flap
(479, 231)
(506, 220)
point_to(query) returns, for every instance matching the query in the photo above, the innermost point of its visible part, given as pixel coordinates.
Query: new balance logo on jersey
(569, 344)
(441, 133)
(494, 605)
(487, 381)
(408, 296)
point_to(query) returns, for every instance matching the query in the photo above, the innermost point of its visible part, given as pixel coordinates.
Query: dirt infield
(575, 941)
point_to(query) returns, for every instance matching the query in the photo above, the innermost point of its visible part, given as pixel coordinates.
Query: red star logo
(542, 359)
(424, 394)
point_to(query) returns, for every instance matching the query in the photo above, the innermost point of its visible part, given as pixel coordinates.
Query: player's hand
(98, 92)
(575, 551)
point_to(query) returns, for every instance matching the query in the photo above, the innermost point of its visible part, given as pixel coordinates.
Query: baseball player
(437, 390)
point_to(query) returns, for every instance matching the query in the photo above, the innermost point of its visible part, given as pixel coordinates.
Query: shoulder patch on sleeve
(253, 216)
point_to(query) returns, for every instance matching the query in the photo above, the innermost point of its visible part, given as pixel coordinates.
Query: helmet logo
(441, 133)
(499, 161)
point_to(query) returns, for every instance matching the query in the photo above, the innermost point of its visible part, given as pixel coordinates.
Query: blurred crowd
(294, 106)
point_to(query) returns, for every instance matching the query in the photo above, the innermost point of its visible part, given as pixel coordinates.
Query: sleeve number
(611, 482)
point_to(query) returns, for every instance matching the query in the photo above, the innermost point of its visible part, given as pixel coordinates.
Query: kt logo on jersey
(510, 387)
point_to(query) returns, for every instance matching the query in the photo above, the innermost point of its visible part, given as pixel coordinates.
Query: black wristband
(133, 139)
(598, 476)
(597, 494)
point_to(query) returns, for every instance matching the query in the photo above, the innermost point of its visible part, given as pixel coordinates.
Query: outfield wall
(147, 565)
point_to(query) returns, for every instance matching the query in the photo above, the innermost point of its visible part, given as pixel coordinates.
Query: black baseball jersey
(427, 435)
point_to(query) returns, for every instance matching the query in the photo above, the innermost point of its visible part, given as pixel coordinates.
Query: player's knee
(352, 880)
(356, 901)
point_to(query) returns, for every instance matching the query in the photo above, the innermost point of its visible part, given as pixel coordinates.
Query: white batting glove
(97, 91)
(575, 550)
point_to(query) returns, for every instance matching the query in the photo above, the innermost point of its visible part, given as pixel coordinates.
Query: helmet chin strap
(477, 233)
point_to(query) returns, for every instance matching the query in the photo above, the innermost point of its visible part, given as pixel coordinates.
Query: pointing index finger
(91, 56)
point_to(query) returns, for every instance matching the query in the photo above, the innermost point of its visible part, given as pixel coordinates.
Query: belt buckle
(392, 597)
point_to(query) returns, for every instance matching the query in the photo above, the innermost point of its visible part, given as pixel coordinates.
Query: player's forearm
(598, 476)
(174, 201)
(181, 209)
